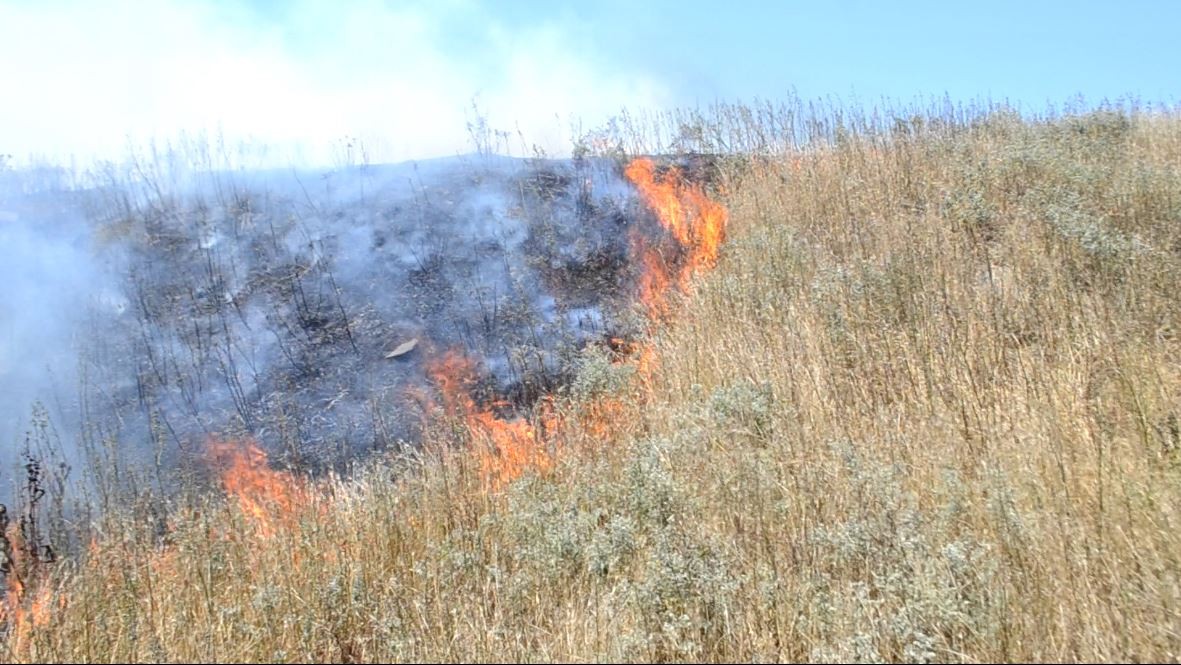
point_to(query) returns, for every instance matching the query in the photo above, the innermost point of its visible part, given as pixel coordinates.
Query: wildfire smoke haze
(298, 311)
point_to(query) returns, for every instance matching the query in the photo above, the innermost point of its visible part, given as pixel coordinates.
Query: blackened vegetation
(25, 546)
(577, 246)
(271, 310)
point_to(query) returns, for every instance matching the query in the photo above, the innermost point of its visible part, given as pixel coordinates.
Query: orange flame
(22, 621)
(21, 614)
(693, 219)
(264, 495)
(655, 279)
(506, 448)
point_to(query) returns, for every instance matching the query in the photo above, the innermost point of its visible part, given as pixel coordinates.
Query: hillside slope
(925, 408)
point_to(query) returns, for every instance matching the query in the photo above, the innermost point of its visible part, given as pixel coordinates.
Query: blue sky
(85, 80)
(1029, 52)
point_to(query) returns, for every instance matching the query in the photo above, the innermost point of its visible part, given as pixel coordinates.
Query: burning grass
(267, 497)
(696, 223)
(924, 408)
(505, 447)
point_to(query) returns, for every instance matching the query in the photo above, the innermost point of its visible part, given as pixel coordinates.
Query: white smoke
(400, 82)
(53, 283)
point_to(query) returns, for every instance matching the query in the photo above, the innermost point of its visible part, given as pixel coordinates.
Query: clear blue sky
(1030, 52)
(84, 79)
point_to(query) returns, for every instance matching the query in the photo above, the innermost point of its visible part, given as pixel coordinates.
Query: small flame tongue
(265, 495)
(23, 612)
(506, 448)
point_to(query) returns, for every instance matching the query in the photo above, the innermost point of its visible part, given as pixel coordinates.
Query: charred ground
(268, 304)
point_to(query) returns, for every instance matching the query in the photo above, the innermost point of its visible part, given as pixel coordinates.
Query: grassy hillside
(926, 407)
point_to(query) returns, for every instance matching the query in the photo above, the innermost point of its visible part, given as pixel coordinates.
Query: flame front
(266, 496)
(692, 218)
(506, 448)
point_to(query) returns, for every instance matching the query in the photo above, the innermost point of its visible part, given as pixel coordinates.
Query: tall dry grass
(926, 408)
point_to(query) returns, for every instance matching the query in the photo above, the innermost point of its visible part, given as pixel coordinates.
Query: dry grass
(926, 408)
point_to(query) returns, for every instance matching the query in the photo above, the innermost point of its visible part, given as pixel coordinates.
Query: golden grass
(925, 408)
